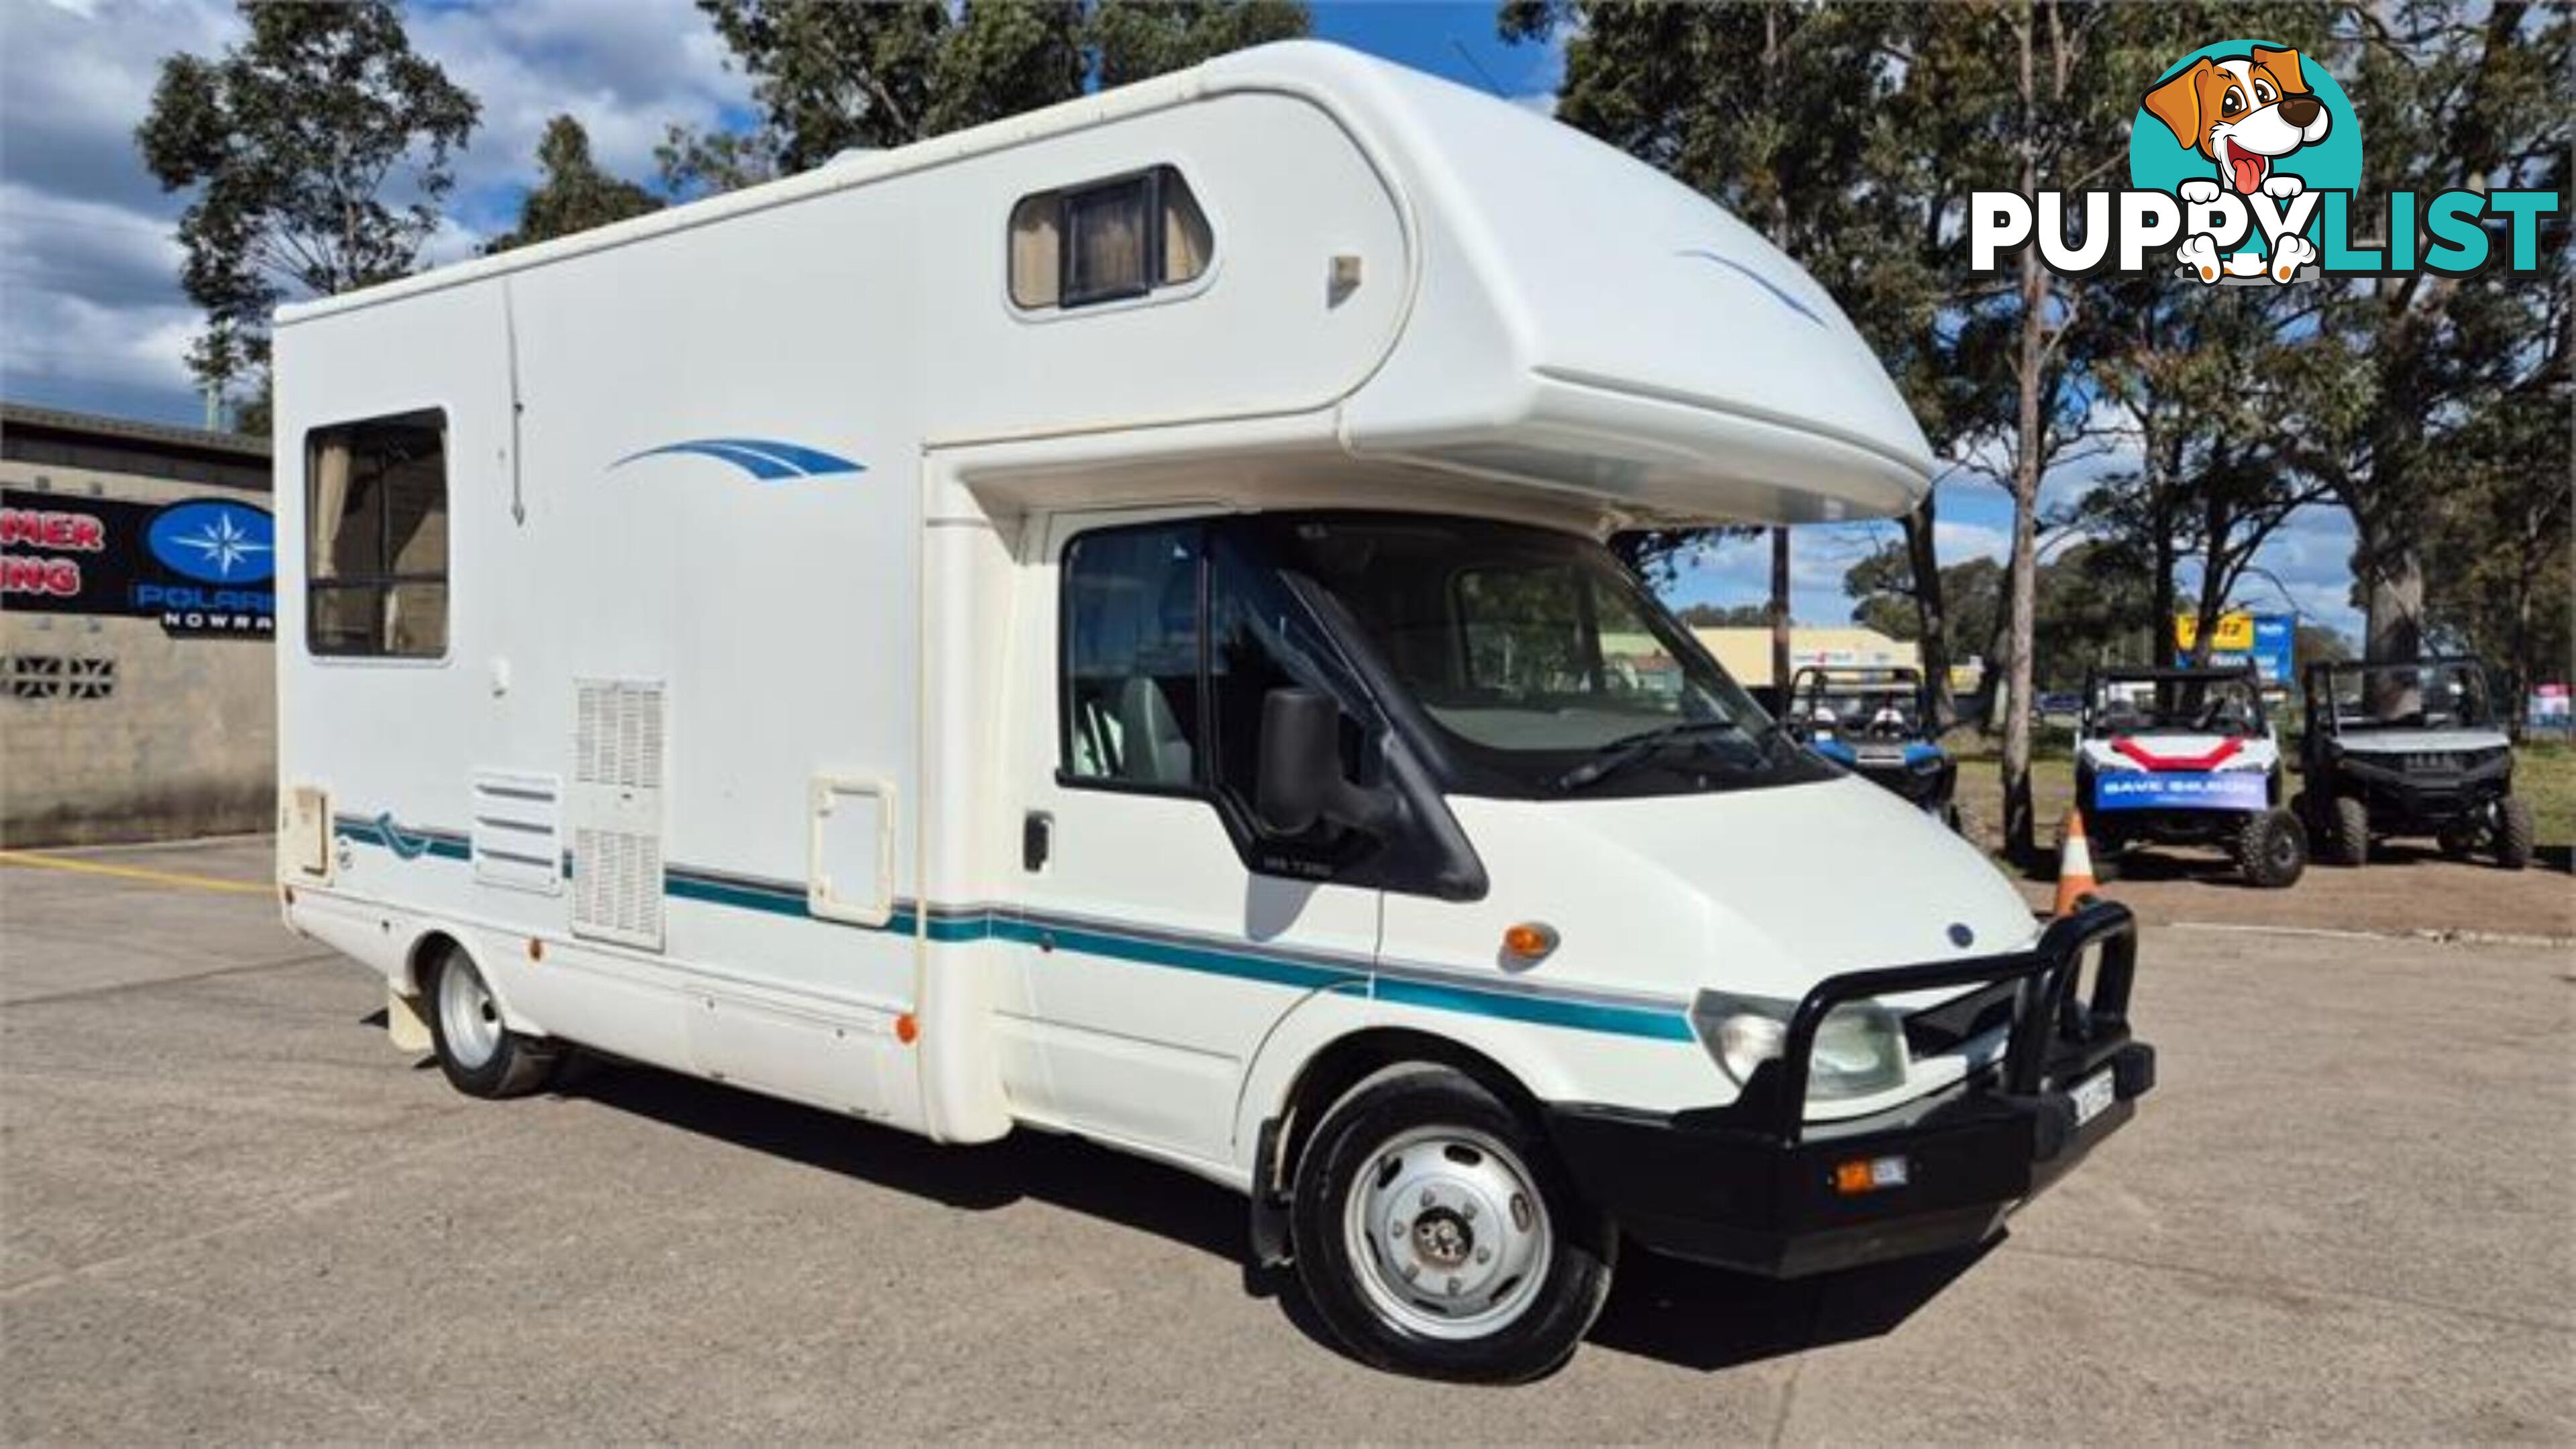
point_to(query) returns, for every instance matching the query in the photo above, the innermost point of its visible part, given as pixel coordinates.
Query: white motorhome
(1100, 622)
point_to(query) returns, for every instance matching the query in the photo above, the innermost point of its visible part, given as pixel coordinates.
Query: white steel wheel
(1435, 1234)
(467, 1018)
(481, 1056)
(1449, 1233)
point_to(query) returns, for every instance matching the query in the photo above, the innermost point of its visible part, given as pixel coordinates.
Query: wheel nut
(1484, 1255)
(1397, 1230)
(1467, 1210)
(1453, 1287)
(1427, 1198)
(1412, 1271)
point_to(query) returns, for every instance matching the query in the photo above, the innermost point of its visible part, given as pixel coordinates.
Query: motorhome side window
(1131, 657)
(376, 538)
(1107, 241)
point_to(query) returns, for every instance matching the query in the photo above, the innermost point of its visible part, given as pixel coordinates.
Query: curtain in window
(330, 506)
(1034, 241)
(1185, 231)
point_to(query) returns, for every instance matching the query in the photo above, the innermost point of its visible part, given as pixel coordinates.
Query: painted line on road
(135, 873)
(2433, 935)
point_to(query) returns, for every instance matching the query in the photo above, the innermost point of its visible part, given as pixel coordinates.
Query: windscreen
(1859, 706)
(1538, 659)
(2215, 705)
(2407, 696)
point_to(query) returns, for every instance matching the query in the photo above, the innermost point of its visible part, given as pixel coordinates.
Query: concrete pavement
(229, 1210)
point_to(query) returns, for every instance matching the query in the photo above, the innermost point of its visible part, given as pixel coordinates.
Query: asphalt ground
(229, 1210)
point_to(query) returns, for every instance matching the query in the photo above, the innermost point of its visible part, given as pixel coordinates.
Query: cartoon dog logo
(2244, 114)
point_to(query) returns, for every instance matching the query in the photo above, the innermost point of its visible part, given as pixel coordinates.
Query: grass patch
(2544, 774)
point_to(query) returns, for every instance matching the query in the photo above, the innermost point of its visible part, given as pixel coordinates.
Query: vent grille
(518, 831)
(616, 811)
(620, 735)
(617, 886)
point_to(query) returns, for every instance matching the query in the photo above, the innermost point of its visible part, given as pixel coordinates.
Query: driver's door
(1149, 962)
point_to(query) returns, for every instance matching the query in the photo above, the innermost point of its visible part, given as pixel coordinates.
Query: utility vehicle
(1877, 723)
(2185, 757)
(2410, 749)
(1100, 623)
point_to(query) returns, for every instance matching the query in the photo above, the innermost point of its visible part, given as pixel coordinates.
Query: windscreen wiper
(1631, 750)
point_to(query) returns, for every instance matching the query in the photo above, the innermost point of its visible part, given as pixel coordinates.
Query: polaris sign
(205, 568)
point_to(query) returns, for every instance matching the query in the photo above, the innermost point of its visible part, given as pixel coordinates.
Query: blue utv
(1877, 723)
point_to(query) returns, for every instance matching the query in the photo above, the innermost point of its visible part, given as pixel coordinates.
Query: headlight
(1860, 1046)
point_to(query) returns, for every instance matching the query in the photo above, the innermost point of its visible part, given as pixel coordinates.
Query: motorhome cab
(1101, 622)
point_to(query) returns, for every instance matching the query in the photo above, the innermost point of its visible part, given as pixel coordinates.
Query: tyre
(1435, 1234)
(2513, 838)
(2272, 849)
(481, 1057)
(2347, 831)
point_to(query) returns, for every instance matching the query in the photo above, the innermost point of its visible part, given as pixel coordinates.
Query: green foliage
(1730, 616)
(833, 75)
(1883, 592)
(319, 150)
(572, 194)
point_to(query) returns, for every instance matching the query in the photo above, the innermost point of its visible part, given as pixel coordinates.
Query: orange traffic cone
(2075, 883)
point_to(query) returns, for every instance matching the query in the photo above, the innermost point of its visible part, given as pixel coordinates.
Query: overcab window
(1107, 241)
(376, 538)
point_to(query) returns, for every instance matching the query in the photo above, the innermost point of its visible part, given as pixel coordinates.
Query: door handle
(1037, 840)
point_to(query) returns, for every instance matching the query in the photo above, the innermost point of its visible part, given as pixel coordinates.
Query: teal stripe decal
(1242, 965)
(781, 899)
(1543, 1010)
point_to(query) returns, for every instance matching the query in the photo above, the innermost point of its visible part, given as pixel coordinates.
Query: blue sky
(91, 316)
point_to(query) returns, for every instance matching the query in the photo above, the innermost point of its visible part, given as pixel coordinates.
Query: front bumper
(1751, 1185)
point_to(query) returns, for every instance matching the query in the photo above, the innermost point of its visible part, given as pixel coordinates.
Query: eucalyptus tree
(319, 149)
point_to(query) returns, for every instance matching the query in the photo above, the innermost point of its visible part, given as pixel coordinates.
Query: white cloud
(625, 69)
(88, 270)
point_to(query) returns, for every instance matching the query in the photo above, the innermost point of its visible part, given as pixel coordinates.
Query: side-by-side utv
(2185, 757)
(1878, 724)
(2410, 749)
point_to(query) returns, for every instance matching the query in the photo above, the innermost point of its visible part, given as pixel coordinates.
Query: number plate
(2093, 1096)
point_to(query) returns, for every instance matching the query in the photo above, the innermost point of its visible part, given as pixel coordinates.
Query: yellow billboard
(2235, 632)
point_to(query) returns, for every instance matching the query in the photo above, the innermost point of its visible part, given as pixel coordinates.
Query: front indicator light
(1870, 1174)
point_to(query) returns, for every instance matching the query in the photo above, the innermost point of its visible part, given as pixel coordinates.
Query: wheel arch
(1336, 1066)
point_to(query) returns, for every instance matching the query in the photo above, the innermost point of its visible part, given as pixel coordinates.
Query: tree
(320, 150)
(1729, 616)
(2452, 94)
(830, 76)
(572, 194)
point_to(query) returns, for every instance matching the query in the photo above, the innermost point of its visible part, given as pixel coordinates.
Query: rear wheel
(2272, 849)
(1435, 1235)
(481, 1057)
(2513, 841)
(2347, 831)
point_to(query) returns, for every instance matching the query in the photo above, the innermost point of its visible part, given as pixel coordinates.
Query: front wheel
(2272, 849)
(2347, 831)
(1435, 1235)
(2513, 832)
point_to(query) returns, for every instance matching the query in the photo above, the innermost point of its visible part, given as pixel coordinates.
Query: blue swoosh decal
(1759, 280)
(763, 458)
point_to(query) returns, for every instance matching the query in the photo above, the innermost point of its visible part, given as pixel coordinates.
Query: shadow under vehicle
(2410, 750)
(2186, 757)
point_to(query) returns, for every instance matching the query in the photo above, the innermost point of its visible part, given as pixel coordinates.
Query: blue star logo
(224, 543)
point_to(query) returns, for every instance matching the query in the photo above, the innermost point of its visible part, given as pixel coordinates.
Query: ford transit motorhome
(1099, 622)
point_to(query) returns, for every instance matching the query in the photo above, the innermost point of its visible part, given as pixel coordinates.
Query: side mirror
(1300, 780)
